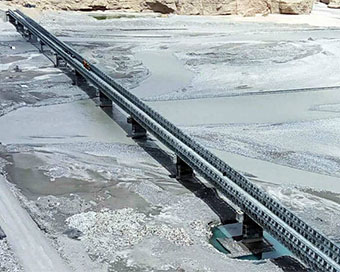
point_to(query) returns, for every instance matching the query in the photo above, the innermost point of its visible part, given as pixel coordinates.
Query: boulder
(73, 233)
(252, 7)
(334, 4)
(296, 6)
(161, 6)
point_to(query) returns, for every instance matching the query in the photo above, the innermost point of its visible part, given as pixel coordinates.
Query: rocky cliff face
(188, 7)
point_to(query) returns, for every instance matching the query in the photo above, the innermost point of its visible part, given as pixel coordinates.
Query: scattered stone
(8, 261)
(28, 5)
(121, 229)
(73, 233)
(334, 4)
(17, 69)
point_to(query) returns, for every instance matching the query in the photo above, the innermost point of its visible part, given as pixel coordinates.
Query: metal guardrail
(313, 248)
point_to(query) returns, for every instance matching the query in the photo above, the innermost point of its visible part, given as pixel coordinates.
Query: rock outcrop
(188, 7)
(296, 6)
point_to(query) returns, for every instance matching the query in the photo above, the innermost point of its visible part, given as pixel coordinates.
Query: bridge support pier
(137, 130)
(26, 34)
(59, 61)
(41, 47)
(251, 231)
(78, 79)
(19, 27)
(33, 38)
(105, 102)
(183, 170)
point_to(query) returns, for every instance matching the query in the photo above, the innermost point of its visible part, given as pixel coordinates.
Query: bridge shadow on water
(208, 194)
(198, 188)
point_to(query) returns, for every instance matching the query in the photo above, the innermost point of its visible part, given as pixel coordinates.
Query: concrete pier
(33, 38)
(137, 130)
(183, 170)
(105, 102)
(78, 79)
(41, 46)
(251, 231)
(59, 61)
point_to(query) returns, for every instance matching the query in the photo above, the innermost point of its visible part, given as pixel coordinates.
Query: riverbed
(264, 97)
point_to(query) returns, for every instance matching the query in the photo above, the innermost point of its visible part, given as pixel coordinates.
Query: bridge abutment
(9, 18)
(183, 170)
(137, 130)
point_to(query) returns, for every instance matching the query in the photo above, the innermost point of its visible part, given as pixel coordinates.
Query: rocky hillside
(189, 7)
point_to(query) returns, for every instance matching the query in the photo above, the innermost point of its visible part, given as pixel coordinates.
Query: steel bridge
(312, 247)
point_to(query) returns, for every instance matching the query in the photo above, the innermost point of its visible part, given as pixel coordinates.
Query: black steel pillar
(137, 130)
(183, 170)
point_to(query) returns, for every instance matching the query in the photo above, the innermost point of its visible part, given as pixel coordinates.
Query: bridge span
(312, 247)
